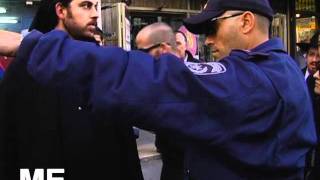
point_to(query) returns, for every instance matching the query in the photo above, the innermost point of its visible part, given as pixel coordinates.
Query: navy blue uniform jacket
(39, 128)
(248, 116)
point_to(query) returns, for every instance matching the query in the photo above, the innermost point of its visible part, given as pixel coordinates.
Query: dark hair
(46, 18)
(314, 41)
(184, 36)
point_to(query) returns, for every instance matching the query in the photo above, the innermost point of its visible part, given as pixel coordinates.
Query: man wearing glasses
(156, 39)
(247, 116)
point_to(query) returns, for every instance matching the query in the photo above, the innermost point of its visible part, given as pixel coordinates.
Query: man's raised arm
(9, 42)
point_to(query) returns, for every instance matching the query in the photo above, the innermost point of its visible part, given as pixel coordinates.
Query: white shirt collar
(306, 74)
(185, 58)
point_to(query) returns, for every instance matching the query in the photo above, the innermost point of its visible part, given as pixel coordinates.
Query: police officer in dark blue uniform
(248, 116)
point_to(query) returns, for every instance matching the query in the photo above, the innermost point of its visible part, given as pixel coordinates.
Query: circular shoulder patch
(206, 68)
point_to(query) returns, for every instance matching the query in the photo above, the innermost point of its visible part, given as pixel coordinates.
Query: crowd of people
(67, 102)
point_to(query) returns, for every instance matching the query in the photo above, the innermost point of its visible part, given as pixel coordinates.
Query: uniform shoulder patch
(206, 68)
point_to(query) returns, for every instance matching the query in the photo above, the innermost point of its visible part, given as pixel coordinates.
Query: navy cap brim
(198, 24)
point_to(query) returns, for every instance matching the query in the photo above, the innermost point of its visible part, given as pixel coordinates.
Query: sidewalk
(148, 152)
(150, 159)
(146, 147)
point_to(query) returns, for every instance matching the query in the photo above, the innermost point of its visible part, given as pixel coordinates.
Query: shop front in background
(307, 19)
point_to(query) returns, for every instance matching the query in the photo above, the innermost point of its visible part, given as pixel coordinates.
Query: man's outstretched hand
(9, 43)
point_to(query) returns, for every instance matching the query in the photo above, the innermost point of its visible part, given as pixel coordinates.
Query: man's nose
(316, 59)
(313, 58)
(94, 13)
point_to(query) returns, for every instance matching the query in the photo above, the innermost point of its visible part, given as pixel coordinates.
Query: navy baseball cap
(214, 8)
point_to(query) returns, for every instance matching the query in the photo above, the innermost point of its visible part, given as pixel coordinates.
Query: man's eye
(87, 5)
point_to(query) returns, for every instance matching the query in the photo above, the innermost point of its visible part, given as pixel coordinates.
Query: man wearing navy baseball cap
(247, 116)
(215, 8)
(216, 12)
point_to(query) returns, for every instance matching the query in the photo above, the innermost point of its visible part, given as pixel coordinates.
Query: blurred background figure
(300, 56)
(182, 47)
(311, 73)
(157, 39)
(101, 37)
(312, 56)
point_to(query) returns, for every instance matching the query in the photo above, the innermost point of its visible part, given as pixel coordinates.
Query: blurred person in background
(182, 46)
(157, 41)
(171, 153)
(313, 83)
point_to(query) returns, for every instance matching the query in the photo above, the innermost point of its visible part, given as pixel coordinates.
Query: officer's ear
(248, 22)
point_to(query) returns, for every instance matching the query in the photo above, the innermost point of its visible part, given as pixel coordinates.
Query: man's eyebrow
(88, 2)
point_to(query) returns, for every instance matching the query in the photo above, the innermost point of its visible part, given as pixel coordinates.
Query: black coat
(310, 81)
(191, 58)
(43, 128)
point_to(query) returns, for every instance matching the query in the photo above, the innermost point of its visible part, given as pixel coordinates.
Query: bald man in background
(157, 39)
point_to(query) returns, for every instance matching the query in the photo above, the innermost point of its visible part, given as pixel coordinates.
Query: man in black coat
(312, 56)
(182, 44)
(310, 73)
(313, 161)
(42, 128)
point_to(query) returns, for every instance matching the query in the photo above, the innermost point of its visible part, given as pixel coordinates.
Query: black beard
(84, 38)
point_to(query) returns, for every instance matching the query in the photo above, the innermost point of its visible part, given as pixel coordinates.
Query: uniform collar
(261, 51)
(274, 44)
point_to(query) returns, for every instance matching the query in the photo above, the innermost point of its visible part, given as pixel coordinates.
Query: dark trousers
(312, 171)
(172, 158)
(172, 168)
